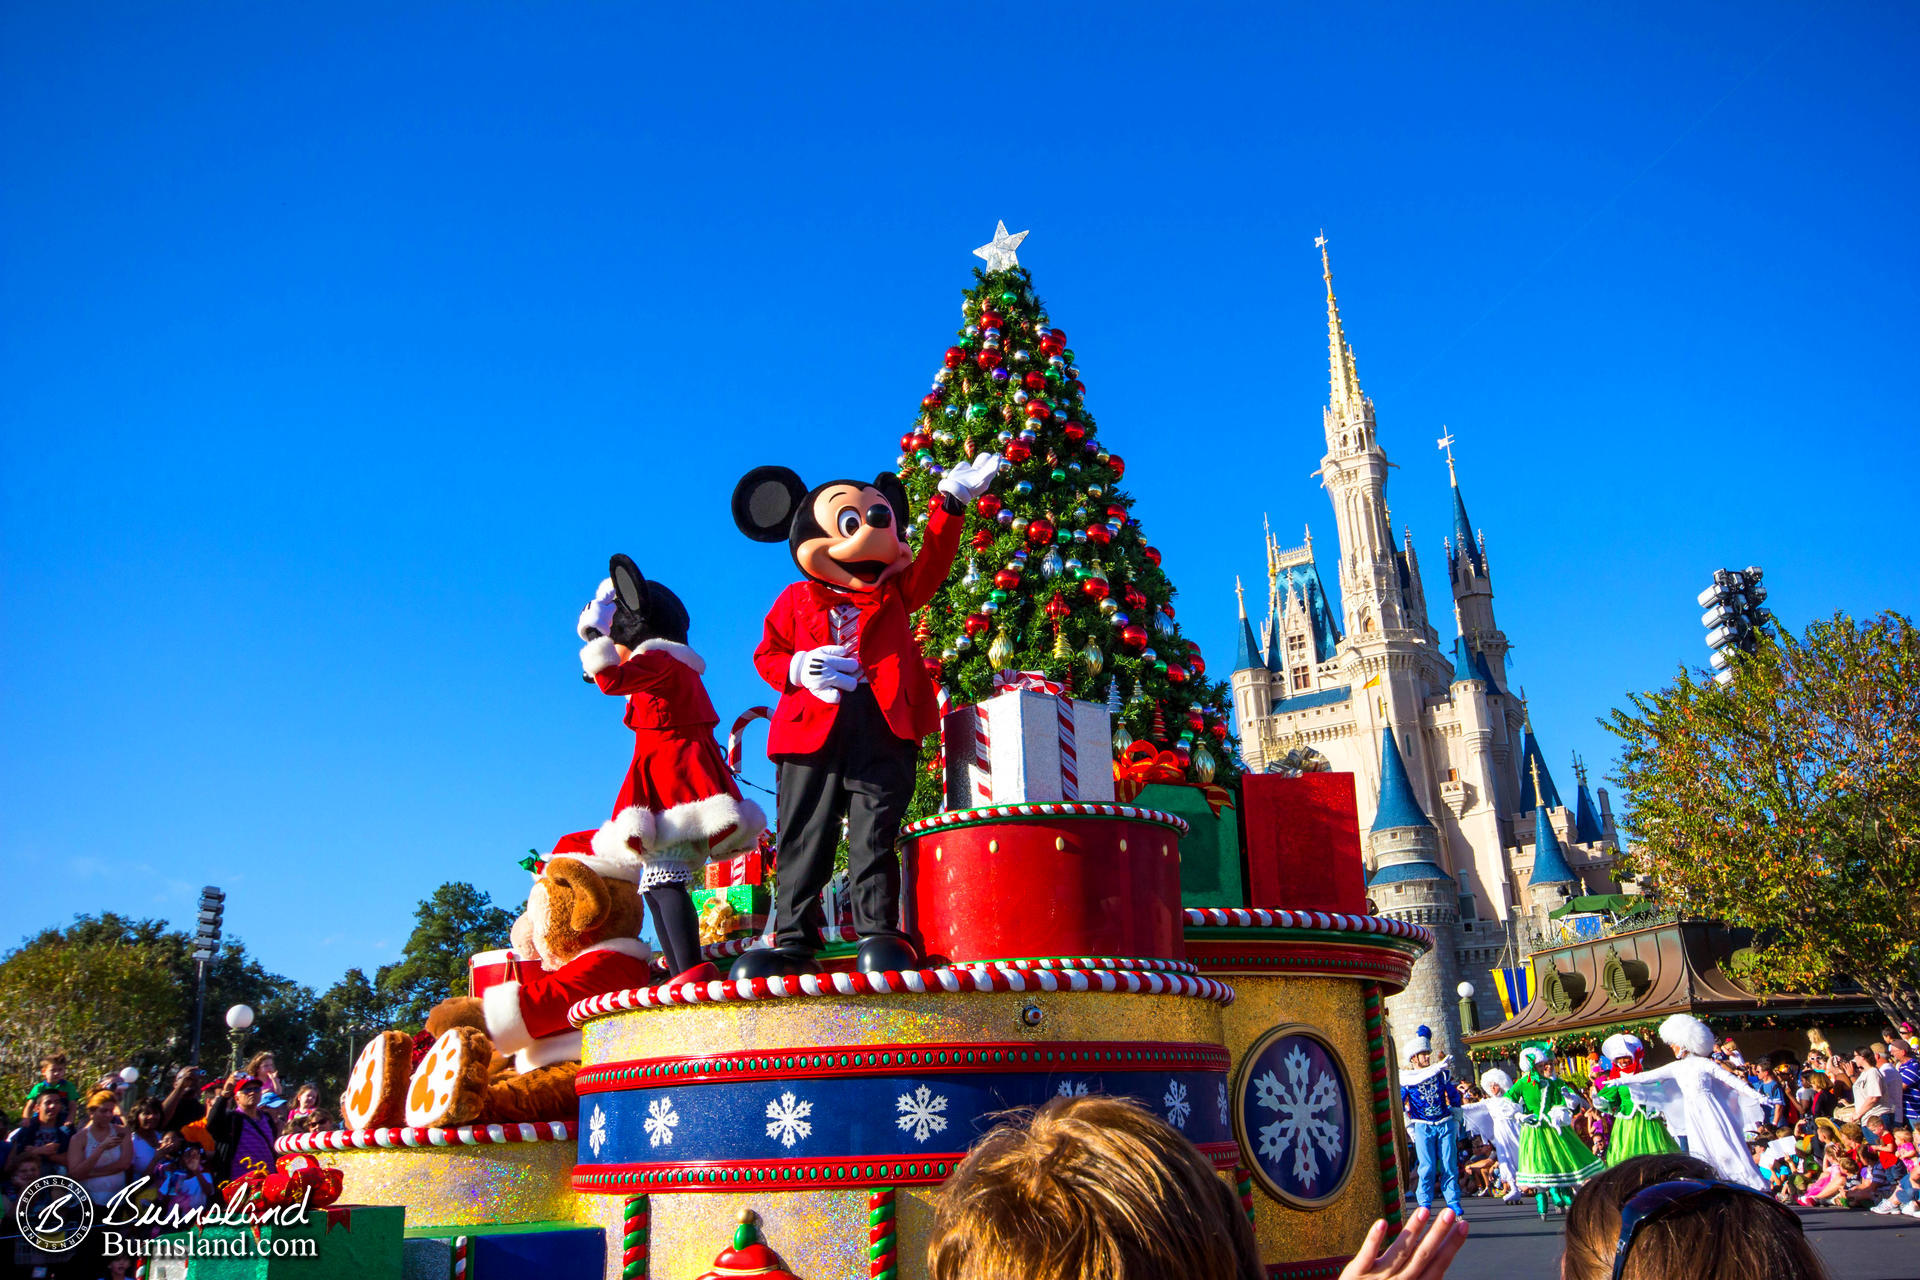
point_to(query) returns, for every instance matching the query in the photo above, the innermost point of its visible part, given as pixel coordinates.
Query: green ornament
(1160, 666)
(966, 343)
(1063, 536)
(1008, 298)
(1058, 475)
(976, 411)
(999, 595)
(1053, 376)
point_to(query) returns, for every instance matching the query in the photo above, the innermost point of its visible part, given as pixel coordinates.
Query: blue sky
(343, 343)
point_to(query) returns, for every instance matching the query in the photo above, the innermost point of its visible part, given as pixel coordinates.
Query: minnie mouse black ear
(764, 503)
(629, 585)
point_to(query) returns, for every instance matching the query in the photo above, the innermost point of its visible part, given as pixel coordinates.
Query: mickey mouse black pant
(863, 774)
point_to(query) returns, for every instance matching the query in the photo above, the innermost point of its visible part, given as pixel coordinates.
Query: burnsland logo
(54, 1215)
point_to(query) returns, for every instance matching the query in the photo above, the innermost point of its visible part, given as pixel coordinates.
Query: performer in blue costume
(1432, 1103)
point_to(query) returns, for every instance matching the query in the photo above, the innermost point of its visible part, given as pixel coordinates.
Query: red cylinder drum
(1029, 881)
(489, 968)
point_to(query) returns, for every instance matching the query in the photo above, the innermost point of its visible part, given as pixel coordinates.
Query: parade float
(1088, 899)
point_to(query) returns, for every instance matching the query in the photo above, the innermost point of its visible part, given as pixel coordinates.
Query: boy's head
(191, 1156)
(1877, 1125)
(53, 1068)
(26, 1171)
(1088, 1186)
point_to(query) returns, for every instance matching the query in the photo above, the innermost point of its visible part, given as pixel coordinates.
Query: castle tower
(1406, 882)
(1552, 881)
(1252, 692)
(1586, 817)
(1472, 580)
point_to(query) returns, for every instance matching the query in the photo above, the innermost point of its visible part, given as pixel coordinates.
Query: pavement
(1510, 1242)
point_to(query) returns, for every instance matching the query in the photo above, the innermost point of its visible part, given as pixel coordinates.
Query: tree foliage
(103, 1001)
(1788, 801)
(1058, 574)
(449, 928)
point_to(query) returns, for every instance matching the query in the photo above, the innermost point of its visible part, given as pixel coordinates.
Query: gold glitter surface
(947, 1018)
(822, 1235)
(1334, 1008)
(464, 1186)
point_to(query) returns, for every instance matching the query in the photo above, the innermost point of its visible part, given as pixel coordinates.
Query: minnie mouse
(855, 697)
(679, 804)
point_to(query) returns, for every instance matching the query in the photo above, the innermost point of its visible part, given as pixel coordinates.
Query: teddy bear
(509, 1056)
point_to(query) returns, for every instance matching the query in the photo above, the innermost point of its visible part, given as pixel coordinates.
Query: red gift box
(1303, 842)
(749, 868)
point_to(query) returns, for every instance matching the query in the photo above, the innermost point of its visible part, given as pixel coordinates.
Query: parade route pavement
(1510, 1242)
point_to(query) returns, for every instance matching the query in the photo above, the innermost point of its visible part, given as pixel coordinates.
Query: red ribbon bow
(1027, 681)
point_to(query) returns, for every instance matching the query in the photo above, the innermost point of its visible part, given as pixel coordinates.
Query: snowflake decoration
(597, 1129)
(1301, 1126)
(661, 1118)
(787, 1119)
(1178, 1108)
(921, 1113)
(1071, 1089)
(1224, 1119)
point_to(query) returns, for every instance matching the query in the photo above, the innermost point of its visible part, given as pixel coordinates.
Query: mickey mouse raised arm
(855, 697)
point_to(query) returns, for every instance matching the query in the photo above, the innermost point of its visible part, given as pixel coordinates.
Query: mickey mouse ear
(629, 584)
(764, 503)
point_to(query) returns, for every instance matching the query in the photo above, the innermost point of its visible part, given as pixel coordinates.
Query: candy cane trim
(471, 1135)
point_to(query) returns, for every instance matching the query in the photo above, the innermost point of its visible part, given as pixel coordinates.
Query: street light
(1733, 617)
(1469, 1017)
(127, 1076)
(239, 1019)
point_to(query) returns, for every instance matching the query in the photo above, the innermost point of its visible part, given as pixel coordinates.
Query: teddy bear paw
(377, 1089)
(450, 1084)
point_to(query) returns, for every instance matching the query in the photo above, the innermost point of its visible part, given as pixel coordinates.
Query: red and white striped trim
(740, 724)
(1056, 809)
(470, 1135)
(1278, 918)
(728, 948)
(1143, 964)
(943, 981)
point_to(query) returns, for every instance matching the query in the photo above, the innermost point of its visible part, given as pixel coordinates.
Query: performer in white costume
(1497, 1120)
(1702, 1102)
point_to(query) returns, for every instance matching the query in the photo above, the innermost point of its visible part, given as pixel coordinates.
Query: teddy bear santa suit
(678, 794)
(527, 1016)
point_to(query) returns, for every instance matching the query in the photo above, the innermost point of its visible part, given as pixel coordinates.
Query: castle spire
(1343, 381)
(1550, 864)
(1397, 808)
(1462, 546)
(1245, 657)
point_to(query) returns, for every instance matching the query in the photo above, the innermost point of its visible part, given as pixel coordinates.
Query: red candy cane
(740, 724)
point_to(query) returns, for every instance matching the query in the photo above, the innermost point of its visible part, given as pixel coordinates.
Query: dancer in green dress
(1553, 1161)
(1638, 1128)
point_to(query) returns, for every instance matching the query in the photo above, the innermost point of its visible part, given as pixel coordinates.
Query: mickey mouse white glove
(969, 480)
(596, 619)
(826, 672)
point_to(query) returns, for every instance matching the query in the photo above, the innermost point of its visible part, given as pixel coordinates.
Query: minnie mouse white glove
(969, 480)
(596, 619)
(826, 672)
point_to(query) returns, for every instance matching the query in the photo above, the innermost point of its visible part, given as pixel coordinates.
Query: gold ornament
(1202, 766)
(1000, 652)
(1121, 738)
(1093, 659)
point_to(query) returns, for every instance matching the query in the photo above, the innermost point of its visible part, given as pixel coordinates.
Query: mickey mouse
(855, 697)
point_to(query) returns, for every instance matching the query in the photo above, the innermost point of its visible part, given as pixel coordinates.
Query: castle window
(1301, 679)
(1453, 775)
(1296, 643)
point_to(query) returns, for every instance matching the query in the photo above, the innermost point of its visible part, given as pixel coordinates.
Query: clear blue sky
(343, 343)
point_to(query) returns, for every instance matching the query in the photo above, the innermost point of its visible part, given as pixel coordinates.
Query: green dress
(1550, 1154)
(1638, 1130)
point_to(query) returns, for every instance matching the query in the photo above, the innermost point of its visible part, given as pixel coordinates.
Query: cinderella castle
(1463, 826)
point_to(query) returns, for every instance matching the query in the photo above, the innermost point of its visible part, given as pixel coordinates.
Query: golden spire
(1536, 781)
(1446, 442)
(1241, 592)
(1341, 376)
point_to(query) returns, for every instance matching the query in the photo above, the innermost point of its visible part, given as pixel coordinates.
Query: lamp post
(127, 1077)
(239, 1019)
(1469, 1019)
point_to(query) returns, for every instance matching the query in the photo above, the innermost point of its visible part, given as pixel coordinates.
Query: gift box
(1030, 742)
(745, 899)
(350, 1242)
(1212, 868)
(1303, 842)
(507, 1251)
(749, 868)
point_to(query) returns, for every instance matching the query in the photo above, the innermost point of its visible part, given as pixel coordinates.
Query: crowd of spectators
(1838, 1131)
(176, 1150)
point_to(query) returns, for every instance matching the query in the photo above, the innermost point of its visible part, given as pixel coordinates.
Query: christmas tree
(1059, 577)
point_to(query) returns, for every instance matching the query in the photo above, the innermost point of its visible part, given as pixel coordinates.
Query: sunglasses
(1652, 1202)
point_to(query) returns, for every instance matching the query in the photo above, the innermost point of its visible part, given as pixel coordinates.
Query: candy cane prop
(740, 724)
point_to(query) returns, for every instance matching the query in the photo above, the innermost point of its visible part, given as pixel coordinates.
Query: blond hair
(1720, 1235)
(1088, 1188)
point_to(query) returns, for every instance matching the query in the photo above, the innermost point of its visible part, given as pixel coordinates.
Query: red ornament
(931, 400)
(1176, 673)
(992, 320)
(1219, 731)
(1094, 588)
(988, 505)
(1117, 512)
(1133, 638)
(1037, 410)
(988, 359)
(982, 539)
(1006, 580)
(1058, 337)
(1040, 531)
(976, 623)
(955, 357)
(1034, 381)
(1099, 535)
(923, 439)
(1167, 609)
(906, 442)
(1057, 608)
(1078, 388)
(1197, 665)
(932, 666)
(1018, 451)
(1073, 431)
(1118, 463)
(1135, 598)
(1195, 721)
(1152, 554)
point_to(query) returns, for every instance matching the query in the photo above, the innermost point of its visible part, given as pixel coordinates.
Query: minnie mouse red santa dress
(679, 804)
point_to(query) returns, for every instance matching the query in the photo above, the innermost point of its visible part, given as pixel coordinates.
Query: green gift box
(746, 899)
(348, 1242)
(1212, 873)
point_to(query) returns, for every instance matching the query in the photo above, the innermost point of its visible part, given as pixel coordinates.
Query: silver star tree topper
(999, 251)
